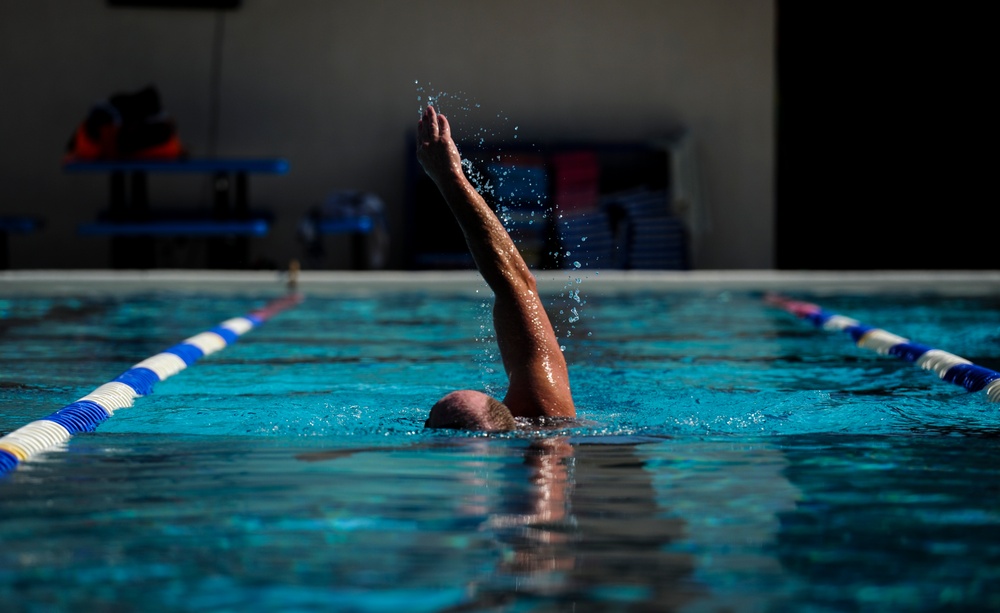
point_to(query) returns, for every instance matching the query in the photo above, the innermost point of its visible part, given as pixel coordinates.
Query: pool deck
(49, 282)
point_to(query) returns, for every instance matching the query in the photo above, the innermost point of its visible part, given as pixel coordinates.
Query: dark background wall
(847, 136)
(885, 137)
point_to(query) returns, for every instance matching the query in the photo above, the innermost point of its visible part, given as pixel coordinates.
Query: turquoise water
(727, 455)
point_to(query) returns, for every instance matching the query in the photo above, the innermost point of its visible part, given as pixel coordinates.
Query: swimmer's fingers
(430, 121)
(444, 128)
(432, 128)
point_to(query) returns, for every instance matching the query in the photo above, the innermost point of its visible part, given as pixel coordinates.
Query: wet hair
(468, 410)
(500, 415)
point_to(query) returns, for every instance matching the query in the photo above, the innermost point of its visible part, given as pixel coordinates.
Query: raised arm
(536, 368)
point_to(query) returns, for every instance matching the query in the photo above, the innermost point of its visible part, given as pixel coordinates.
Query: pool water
(728, 456)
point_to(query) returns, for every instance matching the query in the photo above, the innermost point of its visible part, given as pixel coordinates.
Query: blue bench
(129, 220)
(167, 227)
(361, 215)
(184, 165)
(15, 224)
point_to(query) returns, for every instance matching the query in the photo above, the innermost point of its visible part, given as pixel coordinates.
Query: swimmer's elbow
(523, 277)
(529, 281)
(513, 276)
(523, 285)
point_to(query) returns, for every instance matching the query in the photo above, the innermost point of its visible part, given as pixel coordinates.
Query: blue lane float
(88, 412)
(947, 366)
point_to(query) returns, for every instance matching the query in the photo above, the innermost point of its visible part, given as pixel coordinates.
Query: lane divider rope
(88, 412)
(945, 365)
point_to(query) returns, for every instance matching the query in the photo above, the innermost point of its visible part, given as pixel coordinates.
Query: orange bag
(126, 126)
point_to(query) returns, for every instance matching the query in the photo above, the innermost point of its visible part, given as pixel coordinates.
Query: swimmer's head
(470, 410)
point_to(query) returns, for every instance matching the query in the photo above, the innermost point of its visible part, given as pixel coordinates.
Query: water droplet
(576, 265)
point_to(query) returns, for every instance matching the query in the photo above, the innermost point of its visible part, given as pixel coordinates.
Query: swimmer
(536, 369)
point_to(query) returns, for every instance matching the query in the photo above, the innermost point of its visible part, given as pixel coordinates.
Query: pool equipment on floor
(947, 366)
(88, 412)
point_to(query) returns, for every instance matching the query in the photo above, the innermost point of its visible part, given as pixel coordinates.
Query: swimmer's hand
(436, 151)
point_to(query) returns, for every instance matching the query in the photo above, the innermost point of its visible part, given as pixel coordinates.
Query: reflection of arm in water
(535, 366)
(569, 519)
(530, 516)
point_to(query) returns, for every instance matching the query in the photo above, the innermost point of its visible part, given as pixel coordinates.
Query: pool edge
(957, 282)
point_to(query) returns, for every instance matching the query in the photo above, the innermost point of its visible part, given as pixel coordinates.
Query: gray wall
(334, 86)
